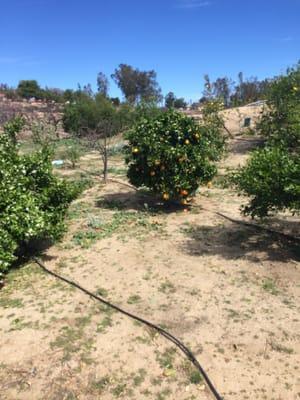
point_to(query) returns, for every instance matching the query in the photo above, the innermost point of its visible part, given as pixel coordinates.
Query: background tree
(137, 85)
(180, 103)
(102, 84)
(96, 121)
(170, 100)
(222, 90)
(28, 89)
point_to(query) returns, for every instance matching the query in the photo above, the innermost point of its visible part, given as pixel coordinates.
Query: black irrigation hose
(160, 330)
(259, 227)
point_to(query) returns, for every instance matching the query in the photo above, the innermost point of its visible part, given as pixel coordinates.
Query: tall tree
(137, 85)
(102, 84)
(170, 100)
(222, 89)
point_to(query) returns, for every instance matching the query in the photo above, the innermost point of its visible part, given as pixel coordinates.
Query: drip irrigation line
(151, 325)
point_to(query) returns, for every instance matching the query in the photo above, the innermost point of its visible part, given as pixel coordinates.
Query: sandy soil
(230, 292)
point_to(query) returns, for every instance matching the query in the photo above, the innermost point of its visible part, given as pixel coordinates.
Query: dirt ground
(231, 293)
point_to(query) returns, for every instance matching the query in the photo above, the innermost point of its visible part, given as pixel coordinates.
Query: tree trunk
(105, 162)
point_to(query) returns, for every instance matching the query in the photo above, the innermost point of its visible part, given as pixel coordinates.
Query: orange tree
(271, 176)
(172, 154)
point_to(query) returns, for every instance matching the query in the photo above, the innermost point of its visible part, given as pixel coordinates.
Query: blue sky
(64, 42)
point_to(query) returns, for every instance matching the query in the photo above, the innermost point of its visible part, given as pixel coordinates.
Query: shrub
(272, 179)
(272, 175)
(33, 202)
(172, 155)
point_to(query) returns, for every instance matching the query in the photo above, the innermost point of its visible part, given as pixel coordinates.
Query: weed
(105, 323)
(101, 384)
(119, 389)
(167, 287)
(140, 377)
(6, 302)
(102, 292)
(134, 299)
(269, 286)
(166, 359)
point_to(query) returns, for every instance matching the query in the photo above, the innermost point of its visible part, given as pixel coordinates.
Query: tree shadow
(137, 201)
(234, 242)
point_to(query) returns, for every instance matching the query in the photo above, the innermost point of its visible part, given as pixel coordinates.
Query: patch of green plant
(105, 323)
(117, 171)
(72, 339)
(7, 302)
(166, 359)
(167, 287)
(119, 222)
(270, 286)
(139, 378)
(119, 389)
(135, 298)
(101, 384)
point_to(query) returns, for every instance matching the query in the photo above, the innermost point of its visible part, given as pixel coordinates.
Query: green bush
(172, 155)
(271, 177)
(33, 202)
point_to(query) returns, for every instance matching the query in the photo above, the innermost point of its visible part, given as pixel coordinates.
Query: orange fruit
(152, 173)
(157, 162)
(184, 192)
(209, 184)
(135, 150)
(187, 141)
(197, 135)
(166, 196)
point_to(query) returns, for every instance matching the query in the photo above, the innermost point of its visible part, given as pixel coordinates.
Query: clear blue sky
(63, 42)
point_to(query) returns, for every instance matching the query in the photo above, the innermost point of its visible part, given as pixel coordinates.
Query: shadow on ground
(233, 242)
(138, 201)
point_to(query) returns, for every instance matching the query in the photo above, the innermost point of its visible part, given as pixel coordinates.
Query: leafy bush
(272, 175)
(172, 155)
(33, 202)
(272, 179)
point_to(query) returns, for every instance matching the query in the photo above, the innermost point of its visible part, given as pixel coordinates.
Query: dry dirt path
(229, 292)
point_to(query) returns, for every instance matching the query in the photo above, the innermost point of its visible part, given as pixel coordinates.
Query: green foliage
(80, 115)
(172, 155)
(272, 175)
(33, 201)
(272, 179)
(280, 124)
(137, 85)
(73, 153)
(28, 89)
